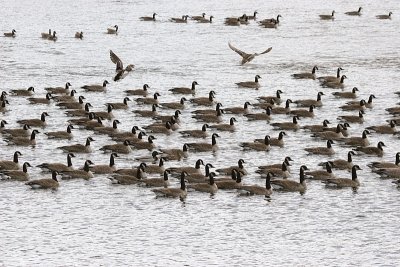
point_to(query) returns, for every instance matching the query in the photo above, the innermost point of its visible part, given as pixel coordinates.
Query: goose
(61, 134)
(265, 105)
(272, 99)
(23, 141)
(132, 171)
(225, 127)
(281, 170)
(152, 158)
(328, 150)
(344, 128)
(210, 187)
(282, 110)
(353, 119)
(123, 105)
(35, 122)
(275, 141)
(47, 183)
(188, 169)
(203, 15)
(204, 20)
(106, 129)
(90, 125)
(258, 146)
(3, 105)
(157, 182)
(358, 105)
(204, 101)
(321, 174)
(3, 125)
(260, 116)
(324, 79)
(78, 148)
(328, 17)
(385, 165)
(132, 138)
(79, 35)
(291, 186)
(125, 179)
(148, 101)
(86, 173)
(196, 133)
(389, 173)
(351, 94)
(59, 90)
(286, 161)
(152, 18)
(3, 96)
(72, 105)
(17, 175)
(40, 100)
(393, 110)
(112, 30)
(235, 182)
(335, 84)
(23, 92)
(303, 112)
(267, 22)
(208, 111)
(238, 110)
(354, 13)
(147, 113)
(309, 102)
(250, 84)
(69, 97)
(106, 114)
(195, 178)
(370, 150)
(156, 168)
(105, 169)
(250, 190)
(11, 165)
(58, 167)
(232, 21)
(240, 168)
(358, 141)
(210, 118)
(18, 132)
(306, 75)
(169, 117)
(10, 34)
(367, 104)
(120, 71)
(345, 182)
(180, 192)
(175, 105)
(149, 145)
(245, 56)
(160, 129)
(122, 136)
(184, 90)
(287, 125)
(254, 17)
(316, 128)
(96, 87)
(118, 148)
(45, 35)
(203, 147)
(333, 135)
(385, 16)
(52, 37)
(180, 20)
(139, 92)
(341, 164)
(176, 154)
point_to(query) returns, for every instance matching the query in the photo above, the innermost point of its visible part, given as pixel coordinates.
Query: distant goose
(184, 90)
(49, 183)
(23, 132)
(72, 104)
(357, 105)
(210, 187)
(112, 30)
(120, 71)
(79, 174)
(272, 99)
(358, 141)
(79, 35)
(35, 122)
(119, 105)
(270, 23)
(10, 34)
(316, 128)
(333, 135)
(260, 116)
(58, 167)
(123, 148)
(208, 111)
(328, 17)
(390, 173)
(228, 170)
(345, 182)
(275, 141)
(210, 118)
(152, 18)
(196, 133)
(384, 129)
(59, 90)
(204, 101)
(134, 171)
(251, 190)
(276, 165)
(11, 165)
(175, 105)
(204, 20)
(254, 17)
(370, 150)
(45, 35)
(352, 94)
(245, 56)
(122, 135)
(341, 164)
(23, 92)
(336, 84)
(306, 75)
(156, 168)
(250, 84)
(40, 100)
(52, 37)
(354, 13)
(3, 105)
(287, 125)
(225, 127)
(176, 154)
(61, 134)
(385, 16)
(3, 125)
(324, 79)
(17, 175)
(291, 186)
(303, 112)
(283, 110)
(238, 110)
(128, 179)
(96, 87)
(140, 92)
(180, 20)
(157, 182)
(180, 192)
(309, 102)
(203, 15)
(107, 129)
(147, 113)
(328, 150)
(78, 148)
(235, 182)
(282, 170)
(204, 147)
(321, 174)
(232, 21)
(386, 165)
(264, 146)
(367, 104)
(148, 101)
(353, 119)
(106, 114)
(105, 169)
(149, 145)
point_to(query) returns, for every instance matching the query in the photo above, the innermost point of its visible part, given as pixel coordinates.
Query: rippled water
(95, 223)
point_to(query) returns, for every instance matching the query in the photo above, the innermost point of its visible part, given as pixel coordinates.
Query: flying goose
(23, 141)
(345, 182)
(180, 20)
(303, 112)
(309, 102)
(250, 84)
(258, 146)
(385, 16)
(180, 192)
(148, 101)
(175, 105)
(45, 35)
(40, 100)
(61, 134)
(204, 101)
(358, 141)
(272, 99)
(188, 169)
(386, 165)
(250, 190)
(336, 84)
(328, 150)
(112, 30)
(22, 132)
(123, 105)
(23, 92)
(17, 175)
(235, 182)
(291, 186)
(203, 15)
(124, 148)
(370, 150)
(139, 92)
(184, 90)
(120, 71)
(105, 169)
(354, 13)
(48, 183)
(324, 79)
(176, 154)
(321, 174)
(203, 147)
(238, 110)
(79, 35)
(59, 90)
(351, 94)
(196, 133)
(96, 87)
(328, 17)
(316, 128)
(58, 167)
(10, 34)
(225, 127)
(287, 125)
(306, 75)
(260, 116)
(86, 173)
(78, 148)
(11, 165)
(210, 187)
(341, 164)
(157, 182)
(247, 57)
(152, 18)
(353, 119)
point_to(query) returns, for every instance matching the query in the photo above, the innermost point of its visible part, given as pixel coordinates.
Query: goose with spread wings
(121, 72)
(247, 57)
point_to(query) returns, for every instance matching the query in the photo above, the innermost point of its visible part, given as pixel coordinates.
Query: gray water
(98, 224)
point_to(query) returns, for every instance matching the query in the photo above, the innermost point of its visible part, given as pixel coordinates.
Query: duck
(47, 183)
(180, 192)
(247, 57)
(258, 146)
(289, 185)
(227, 171)
(149, 145)
(175, 105)
(303, 112)
(260, 116)
(11, 165)
(61, 134)
(204, 101)
(358, 141)
(17, 175)
(225, 127)
(282, 110)
(59, 89)
(78, 148)
(239, 110)
(250, 84)
(148, 101)
(180, 20)
(18, 132)
(147, 113)
(23, 92)
(389, 16)
(335, 84)
(184, 90)
(306, 75)
(345, 182)
(277, 170)
(123, 105)
(370, 150)
(196, 133)
(321, 174)
(328, 17)
(10, 34)
(309, 102)
(324, 79)
(72, 105)
(204, 147)
(316, 128)
(133, 178)
(385, 165)
(86, 173)
(210, 187)
(139, 92)
(272, 99)
(287, 125)
(112, 30)
(46, 35)
(341, 164)
(107, 129)
(121, 72)
(96, 87)
(156, 168)
(188, 169)
(23, 141)
(353, 119)
(354, 13)
(58, 167)
(123, 148)
(52, 37)
(151, 18)
(352, 94)
(328, 150)
(235, 182)
(105, 169)
(157, 182)
(203, 16)
(79, 35)
(176, 154)
(250, 190)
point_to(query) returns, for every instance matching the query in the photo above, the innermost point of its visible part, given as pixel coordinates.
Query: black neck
(397, 159)
(165, 176)
(86, 167)
(33, 135)
(43, 118)
(25, 168)
(87, 142)
(302, 177)
(213, 140)
(349, 158)
(15, 158)
(112, 161)
(54, 176)
(69, 161)
(161, 163)
(353, 173)
(338, 73)
(183, 186)
(268, 182)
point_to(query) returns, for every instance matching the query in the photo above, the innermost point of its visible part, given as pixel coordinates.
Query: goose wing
(240, 52)
(116, 60)
(266, 51)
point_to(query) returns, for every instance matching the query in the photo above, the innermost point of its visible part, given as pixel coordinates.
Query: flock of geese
(210, 115)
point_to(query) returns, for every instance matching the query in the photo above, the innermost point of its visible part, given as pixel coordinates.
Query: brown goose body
(61, 134)
(354, 13)
(250, 84)
(328, 150)
(389, 16)
(151, 18)
(157, 182)
(210, 187)
(352, 94)
(345, 182)
(48, 183)
(370, 150)
(176, 154)
(105, 169)
(123, 105)
(18, 132)
(11, 165)
(303, 112)
(188, 169)
(235, 182)
(287, 125)
(23, 141)
(251, 190)
(78, 148)
(324, 79)
(316, 128)
(306, 75)
(23, 92)
(96, 87)
(86, 173)
(341, 164)
(289, 185)
(35, 122)
(321, 174)
(335, 84)
(184, 90)
(352, 118)
(309, 102)
(386, 165)
(58, 167)
(258, 146)
(384, 129)
(180, 192)
(124, 148)
(196, 133)
(59, 90)
(17, 175)
(260, 116)
(328, 17)
(277, 170)
(204, 147)
(358, 141)
(138, 92)
(238, 110)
